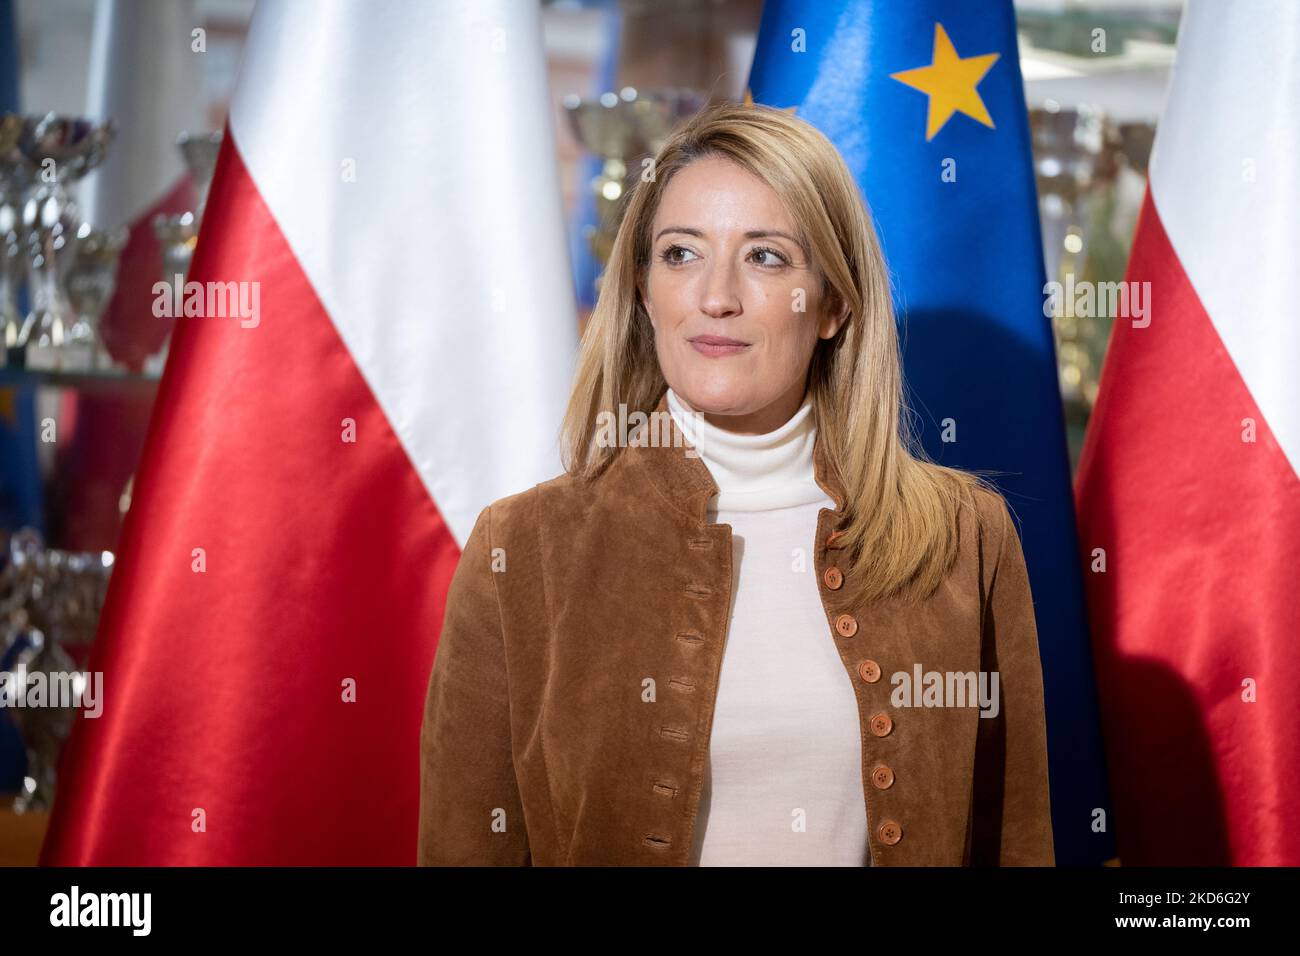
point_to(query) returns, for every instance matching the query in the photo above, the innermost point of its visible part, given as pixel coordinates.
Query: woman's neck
(755, 472)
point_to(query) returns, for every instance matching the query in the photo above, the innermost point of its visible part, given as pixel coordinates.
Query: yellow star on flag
(749, 101)
(950, 83)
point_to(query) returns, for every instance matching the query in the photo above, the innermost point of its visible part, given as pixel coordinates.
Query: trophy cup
(200, 152)
(11, 265)
(59, 150)
(13, 176)
(45, 728)
(90, 281)
(624, 128)
(178, 234)
(49, 605)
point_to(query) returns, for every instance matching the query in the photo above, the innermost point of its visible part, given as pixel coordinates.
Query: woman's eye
(763, 255)
(773, 258)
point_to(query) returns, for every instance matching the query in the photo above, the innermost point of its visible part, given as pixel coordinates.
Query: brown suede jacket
(571, 700)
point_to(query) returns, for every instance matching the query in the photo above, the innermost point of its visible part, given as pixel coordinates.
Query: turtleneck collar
(756, 472)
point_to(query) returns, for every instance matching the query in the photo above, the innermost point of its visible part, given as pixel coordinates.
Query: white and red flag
(1187, 488)
(387, 203)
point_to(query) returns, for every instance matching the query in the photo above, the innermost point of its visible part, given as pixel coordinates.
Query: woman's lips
(716, 346)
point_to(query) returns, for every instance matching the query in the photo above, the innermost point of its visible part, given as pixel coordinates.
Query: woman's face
(735, 303)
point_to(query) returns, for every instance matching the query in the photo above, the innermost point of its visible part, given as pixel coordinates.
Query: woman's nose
(720, 296)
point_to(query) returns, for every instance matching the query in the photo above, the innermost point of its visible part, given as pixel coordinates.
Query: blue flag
(925, 102)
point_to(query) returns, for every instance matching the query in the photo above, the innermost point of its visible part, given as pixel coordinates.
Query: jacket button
(869, 671)
(846, 625)
(890, 832)
(833, 577)
(833, 540)
(882, 778)
(881, 725)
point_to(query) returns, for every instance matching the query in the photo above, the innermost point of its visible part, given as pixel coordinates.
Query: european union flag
(925, 102)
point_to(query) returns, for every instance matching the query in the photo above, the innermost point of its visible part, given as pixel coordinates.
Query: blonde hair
(901, 530)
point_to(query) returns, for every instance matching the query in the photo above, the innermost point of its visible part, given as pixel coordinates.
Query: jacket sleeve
(1011, 813)
(470, 809)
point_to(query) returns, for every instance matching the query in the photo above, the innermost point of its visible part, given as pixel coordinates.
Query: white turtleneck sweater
(783, 784)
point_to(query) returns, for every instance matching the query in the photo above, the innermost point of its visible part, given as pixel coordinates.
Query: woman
(760, 627)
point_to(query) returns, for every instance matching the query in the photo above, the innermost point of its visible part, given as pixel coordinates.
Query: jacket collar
(686, 481)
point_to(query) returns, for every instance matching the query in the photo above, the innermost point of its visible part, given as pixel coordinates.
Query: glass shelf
(98, 380)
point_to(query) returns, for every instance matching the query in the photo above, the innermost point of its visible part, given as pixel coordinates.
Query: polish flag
(387, 194)
(1187, 488)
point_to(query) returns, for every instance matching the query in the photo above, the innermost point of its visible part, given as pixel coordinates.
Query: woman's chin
(713, 397)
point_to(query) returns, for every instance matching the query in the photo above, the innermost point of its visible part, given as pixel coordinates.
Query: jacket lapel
(670, 461)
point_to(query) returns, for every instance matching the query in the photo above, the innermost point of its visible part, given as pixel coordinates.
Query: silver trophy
(626, 129)
(89, 282)
(50, 602)
(43, 729)
(14, 176)
(178, 234)
(59, 150)
(200, 152)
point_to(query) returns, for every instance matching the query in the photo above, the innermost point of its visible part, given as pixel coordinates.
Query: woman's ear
(641, 297)
(834, 314)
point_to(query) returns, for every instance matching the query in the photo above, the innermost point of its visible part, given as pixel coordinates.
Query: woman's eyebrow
(751, 234)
